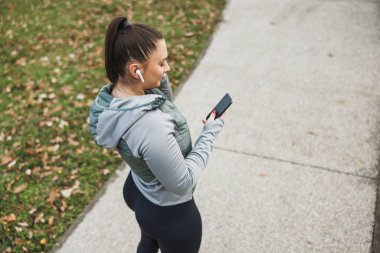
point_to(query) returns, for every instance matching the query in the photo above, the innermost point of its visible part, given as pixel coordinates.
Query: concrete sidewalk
(295, 168)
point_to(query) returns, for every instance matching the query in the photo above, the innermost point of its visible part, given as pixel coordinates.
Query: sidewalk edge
(62, 238)
(220, 20)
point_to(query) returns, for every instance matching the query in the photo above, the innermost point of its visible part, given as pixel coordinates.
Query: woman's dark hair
(125, 41)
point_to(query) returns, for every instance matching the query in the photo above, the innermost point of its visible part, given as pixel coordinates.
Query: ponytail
(125, 41)
(109, 45)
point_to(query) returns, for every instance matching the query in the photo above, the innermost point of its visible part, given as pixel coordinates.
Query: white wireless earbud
(138, 72)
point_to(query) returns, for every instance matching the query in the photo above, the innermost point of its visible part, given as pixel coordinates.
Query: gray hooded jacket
(152, 136)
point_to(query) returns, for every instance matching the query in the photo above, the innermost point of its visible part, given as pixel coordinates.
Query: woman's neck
(122, 90)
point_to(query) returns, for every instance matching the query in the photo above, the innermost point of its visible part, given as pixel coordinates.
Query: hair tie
(125, 24)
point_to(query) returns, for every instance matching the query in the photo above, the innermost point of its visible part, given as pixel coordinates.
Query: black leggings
(172, 229)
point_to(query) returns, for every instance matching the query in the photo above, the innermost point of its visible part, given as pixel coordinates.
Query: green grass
(51, 64)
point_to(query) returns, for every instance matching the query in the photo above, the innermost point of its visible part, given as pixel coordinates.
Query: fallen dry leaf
(53, 196)
(67, 89)
(23, 224)
(76, 185)
(11, 164)
(19, 241)
(51, 220)
(67, 192)
(21, 61)
(39, 217)
(63, 205)
(11, 217)
(72, 142)
(56, 140)
(108, 2)
(36, 169)
(53, 148)
(20, 188)
(6, 159)
(10, 184)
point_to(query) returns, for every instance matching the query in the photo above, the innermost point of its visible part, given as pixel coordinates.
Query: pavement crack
(295, 163)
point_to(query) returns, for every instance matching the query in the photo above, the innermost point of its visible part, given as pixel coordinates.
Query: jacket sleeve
(158, 147)
(166, 88)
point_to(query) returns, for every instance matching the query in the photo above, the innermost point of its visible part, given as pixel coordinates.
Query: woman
(134, 113)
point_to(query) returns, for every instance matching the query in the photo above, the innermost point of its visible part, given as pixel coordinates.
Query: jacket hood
(111, 117)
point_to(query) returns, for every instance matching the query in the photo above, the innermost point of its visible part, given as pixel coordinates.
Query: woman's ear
(136, 71)
(132, 70)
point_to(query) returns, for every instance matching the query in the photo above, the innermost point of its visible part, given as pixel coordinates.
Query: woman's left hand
(212, 117)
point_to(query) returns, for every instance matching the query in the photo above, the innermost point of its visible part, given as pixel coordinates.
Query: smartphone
(222, 106)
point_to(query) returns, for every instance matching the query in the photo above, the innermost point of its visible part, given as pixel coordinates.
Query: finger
(212, 116)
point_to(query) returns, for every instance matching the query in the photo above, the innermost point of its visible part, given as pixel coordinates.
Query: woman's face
(156, 66)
